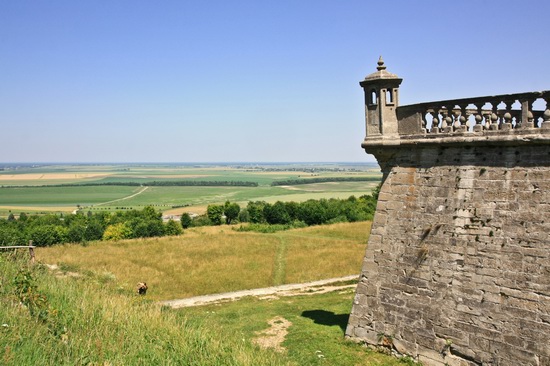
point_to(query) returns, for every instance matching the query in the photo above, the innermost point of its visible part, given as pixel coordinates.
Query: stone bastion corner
(457, 268)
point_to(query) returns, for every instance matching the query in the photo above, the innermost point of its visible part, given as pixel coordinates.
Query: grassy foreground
(83, 321)
(93, 317)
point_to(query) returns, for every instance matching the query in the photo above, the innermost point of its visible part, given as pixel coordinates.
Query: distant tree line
(293, 182)
(167, 183)
(261, 214)
(50, 229)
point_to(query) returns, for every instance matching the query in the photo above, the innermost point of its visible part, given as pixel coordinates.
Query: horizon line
(185, 162)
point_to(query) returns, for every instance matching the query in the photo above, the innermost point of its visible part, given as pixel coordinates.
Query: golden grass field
(218, 259)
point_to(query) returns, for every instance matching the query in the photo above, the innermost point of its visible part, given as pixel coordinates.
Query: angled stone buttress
(457, 269)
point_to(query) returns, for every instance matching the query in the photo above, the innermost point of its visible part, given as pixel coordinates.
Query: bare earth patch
(59, 273)
(273, 336)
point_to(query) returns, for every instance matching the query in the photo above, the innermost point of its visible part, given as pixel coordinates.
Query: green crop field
(35, 189)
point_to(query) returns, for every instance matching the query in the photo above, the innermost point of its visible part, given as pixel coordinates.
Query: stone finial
(381, 72)
(381, 65)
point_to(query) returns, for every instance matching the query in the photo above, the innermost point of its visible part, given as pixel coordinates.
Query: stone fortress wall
(457, 269)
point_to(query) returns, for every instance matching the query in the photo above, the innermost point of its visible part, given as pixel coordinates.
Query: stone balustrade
(498, 119)
(475, 115)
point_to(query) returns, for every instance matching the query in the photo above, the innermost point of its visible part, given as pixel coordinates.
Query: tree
(186, 220)
(312, 212)
(276, 213)
(292, 208)
(215, 213)
(145, 227)
(94, 230)
(231, 212)
(244, 216)
(76, 233)
(149, 213)
(172, 228)
(256, 211)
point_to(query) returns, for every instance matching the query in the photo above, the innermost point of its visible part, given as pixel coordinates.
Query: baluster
(445, 124)
(507, 125)
(435, 121)
(527, 113)
(479, 118)
(424, 123)
(487, 117)
(494, 115)
(464, 115)
(546, 115)
(456, 119)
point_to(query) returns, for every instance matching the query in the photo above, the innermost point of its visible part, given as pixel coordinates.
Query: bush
(11, 235)
(201, 220)
(47, 235)
(172, 228)
(268, 228)
(117, 232)
(244, 216)
(76, 233)
(186, 220)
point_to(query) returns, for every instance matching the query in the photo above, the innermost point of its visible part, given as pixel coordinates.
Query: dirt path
(309, 288)
(123, 198)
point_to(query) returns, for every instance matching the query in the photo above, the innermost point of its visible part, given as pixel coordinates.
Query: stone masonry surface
(458, 265)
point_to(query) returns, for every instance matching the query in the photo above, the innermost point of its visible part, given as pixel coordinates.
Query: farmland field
(65, 188)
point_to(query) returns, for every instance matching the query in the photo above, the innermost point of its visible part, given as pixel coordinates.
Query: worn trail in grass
(316, 287)
(280, 262)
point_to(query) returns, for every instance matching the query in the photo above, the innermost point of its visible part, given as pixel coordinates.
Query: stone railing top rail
(476, 115)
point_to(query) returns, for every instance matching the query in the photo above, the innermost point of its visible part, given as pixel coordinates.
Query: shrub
(172, 228)
(186, 220)
(117, 232)
(46, 235)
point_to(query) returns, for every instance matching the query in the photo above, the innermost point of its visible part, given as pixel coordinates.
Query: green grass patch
(316, 333)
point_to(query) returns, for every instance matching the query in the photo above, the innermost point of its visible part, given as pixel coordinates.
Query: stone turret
(381, 101)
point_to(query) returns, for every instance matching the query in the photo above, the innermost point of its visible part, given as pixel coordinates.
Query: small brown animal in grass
(142, 288)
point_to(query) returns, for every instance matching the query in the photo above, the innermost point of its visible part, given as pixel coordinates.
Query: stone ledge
(536, 136)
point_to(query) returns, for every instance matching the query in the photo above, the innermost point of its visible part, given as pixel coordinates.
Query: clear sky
(243, 81)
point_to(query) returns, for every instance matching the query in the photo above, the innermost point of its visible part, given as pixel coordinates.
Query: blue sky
(237, 81)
